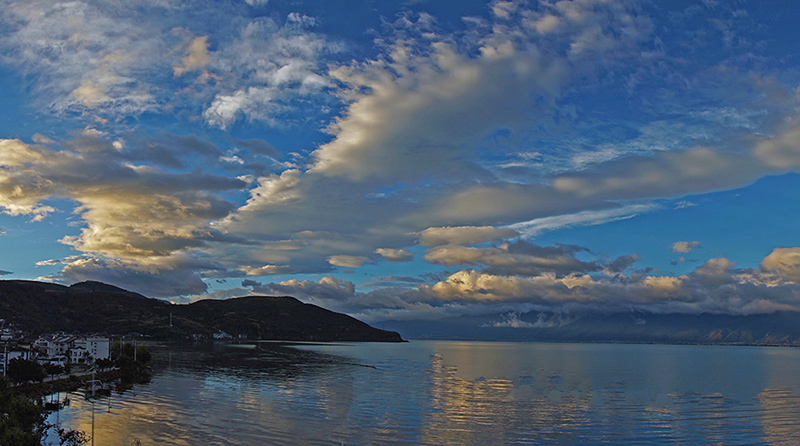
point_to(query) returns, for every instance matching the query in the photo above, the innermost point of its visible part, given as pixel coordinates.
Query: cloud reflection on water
(443, 393)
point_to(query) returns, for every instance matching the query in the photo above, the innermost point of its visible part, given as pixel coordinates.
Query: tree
(131, 370)
(23, 370)
(126, 350)
(53, 369)
(22, 419)
(104, 363)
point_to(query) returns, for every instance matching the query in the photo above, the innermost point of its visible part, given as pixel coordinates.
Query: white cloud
(782, 152)
(715, 271)
(395, 255)
(785, 262)
(327, 288)
(419, 114)
(197, 56)
(266, 67)
(462, 235)
(519, 258)
(89, 59)
(407, 157)
(419, 110)
(583, 218)
(255, 102)
(347, 261)
(128, 212)
(165, 277)
(714, 287)
(84, 55)
(685, 247)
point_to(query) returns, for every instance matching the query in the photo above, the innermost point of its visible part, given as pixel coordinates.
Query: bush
(53, 369)
(22, 419)
(131, 371)
(126, 350)
(22, 371)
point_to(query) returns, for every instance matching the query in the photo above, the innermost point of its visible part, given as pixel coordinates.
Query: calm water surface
(454, 393)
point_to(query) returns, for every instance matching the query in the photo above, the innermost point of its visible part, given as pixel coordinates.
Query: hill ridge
(36, 307)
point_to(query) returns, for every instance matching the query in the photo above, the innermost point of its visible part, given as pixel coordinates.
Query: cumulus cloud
(412, 157)
(518, 258)
(419, 109)
(177, 275)
(685, 247)
(268, 65)
(462, 235)
(715, 272)
(128, 210)
(545, 288)
(785, 262)
(326, 288)
(715, 287)
(664, 174)
(347, 261)
(85, 55)
(214, 295)
(395, 255)
(781, 152)
(197, 56)
(88, 58)
(21, 191)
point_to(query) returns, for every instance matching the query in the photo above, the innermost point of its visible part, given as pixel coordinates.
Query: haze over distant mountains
(780, 328)
(99, 307)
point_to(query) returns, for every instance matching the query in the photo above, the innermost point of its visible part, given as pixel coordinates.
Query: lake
(453, 393)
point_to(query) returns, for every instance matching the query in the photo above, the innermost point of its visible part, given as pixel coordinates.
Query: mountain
(98, 307)
(780, 328)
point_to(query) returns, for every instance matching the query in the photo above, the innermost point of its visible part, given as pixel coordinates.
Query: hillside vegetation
(97, 307)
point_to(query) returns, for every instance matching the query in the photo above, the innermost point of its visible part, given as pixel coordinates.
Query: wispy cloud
(583, 218)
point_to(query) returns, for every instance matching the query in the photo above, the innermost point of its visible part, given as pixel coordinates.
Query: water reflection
(780, 412)
(443, 393)
(499, 410)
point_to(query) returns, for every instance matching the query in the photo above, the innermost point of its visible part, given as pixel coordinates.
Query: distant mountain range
(780, 328)
(98, 307)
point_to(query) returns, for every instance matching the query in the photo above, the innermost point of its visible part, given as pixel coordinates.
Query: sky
(407, 160)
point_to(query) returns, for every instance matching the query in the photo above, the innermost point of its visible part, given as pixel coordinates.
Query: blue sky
(407, 160)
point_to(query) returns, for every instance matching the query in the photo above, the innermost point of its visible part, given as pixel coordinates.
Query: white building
(77, 349)
(96, 347)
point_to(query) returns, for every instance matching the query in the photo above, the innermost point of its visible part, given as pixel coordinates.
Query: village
(56, 353)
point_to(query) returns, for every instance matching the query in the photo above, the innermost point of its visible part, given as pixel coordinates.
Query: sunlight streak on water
(444, 393)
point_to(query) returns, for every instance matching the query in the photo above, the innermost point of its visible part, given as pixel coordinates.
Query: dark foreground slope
(98, 307)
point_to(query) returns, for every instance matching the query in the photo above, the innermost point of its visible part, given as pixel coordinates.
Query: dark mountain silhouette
(98, 307)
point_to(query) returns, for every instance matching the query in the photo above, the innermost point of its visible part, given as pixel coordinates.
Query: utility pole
(92, 417)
